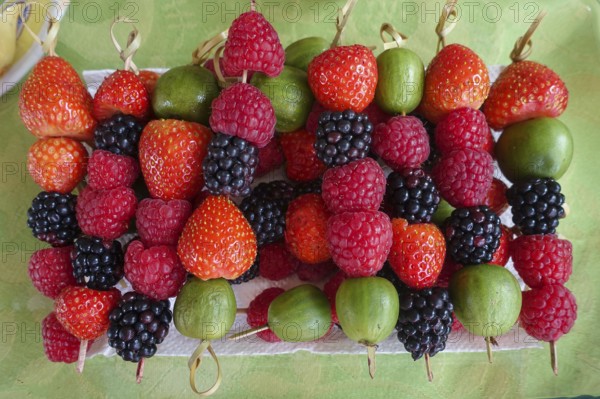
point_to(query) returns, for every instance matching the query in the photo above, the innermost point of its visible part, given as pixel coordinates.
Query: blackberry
(343, 137)
(411, 195)
(137, 325)
(230, 165)
(276, 189)
(536, 205)
(434, 154)
(249, 275)
(388, 273)
(52, 218)
(119, 135)
(311, 187)
(265, 210)
(425, 321)
(472, 235)
(97, 264)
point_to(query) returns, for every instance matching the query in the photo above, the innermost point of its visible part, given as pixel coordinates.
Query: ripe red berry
(464, 176)
(156, 271)
(463, 128)
(402, 142)
(357, 186)
(258, 311)
(359, 242)
(306, 229)
(276, 262)
(316, 273)
(50, 270)
(161, 222)
(270, 157)
(542, 259)
(107, 170)
(502, 254)
(495, 198)
(301, 159)
(121, 93)
(312, 122)
(59, 344)
(548, 312)
(330, 290)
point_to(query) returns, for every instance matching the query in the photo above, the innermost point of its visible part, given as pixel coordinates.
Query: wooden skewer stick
(428, 368)
(140, 371)
(553, 357)
(248, 333)
(82, 352)
(488, 347)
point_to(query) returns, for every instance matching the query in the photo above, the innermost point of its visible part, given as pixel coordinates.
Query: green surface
(568, 40)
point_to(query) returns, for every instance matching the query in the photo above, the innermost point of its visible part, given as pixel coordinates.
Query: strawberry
(525, 90)
(54, 102)
(217, 241)
(299, 151)
(455, 78)
(502, 254)
(417, 253)
(344, 77)
(149, 79)
(171, 154)
(84, 312)
(496, 197)
(306, 229)
(122, 93)
(57, 163)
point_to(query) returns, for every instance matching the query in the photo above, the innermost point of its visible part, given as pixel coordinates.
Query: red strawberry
(171, 154)
(149, 79)
(306, 229)
(496, 197)
(455, 78)
(502, 254)
(302, 163)
(525, 90)
(217, 241)
(121, 93)
(84, 312)
(270, 157)
(344, 77)
(54, 102)
(417, 253)
(57, 164)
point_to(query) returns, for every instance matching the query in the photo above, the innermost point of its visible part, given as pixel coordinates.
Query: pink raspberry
(253, 45)
(464, 176)
(357, 186)
(359, 242)
(463, 128)
(402, 142)
(376, 114)
(270, 157)
(244, 111)
(258, 311)
(160, 222)
(276, 262)
(548, 312)
(330, 289)
(107, 170)
(50, 270)
(312, 122)
(156, 271)
(316, 273)
(59, 344)
(105, 213)
(542, 259)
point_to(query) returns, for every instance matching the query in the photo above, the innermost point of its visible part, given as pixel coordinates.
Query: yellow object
(8, 35)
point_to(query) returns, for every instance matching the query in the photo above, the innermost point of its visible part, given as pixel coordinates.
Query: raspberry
(276, 263)
(357, 186)
(59, 344)
(120, 135)
(107, 170)
(97, 265)
(450, 267)
(537, 205)
(50, 270)
(160, 222)
(306, 229)
(330, 289)
(315, 273)
(548, 312)
(312, 122)
(270, 157)
(411, 195)
(301, 159)
(542, 259)
(52, 218)
(376, 114)
(359, 242)
(502, 254)
(464, 176)
(106, 213)
(154, 271)
(244, 111)
(402, 142)
(463, 128)
(258, 310)
(496, 197)
(253, 45)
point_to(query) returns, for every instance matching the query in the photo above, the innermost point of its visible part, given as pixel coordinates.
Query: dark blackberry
(536, 205)
(249, 275)
(411, 195)
(97, 264)
(137, 325)
(52, 218)
(425, 321)
(230, 165)
(276, 189)
(472, 235)
(388, 273)
(311, 187)
(343, 137)
(119, 135)
(266, 215)
(434, 154)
